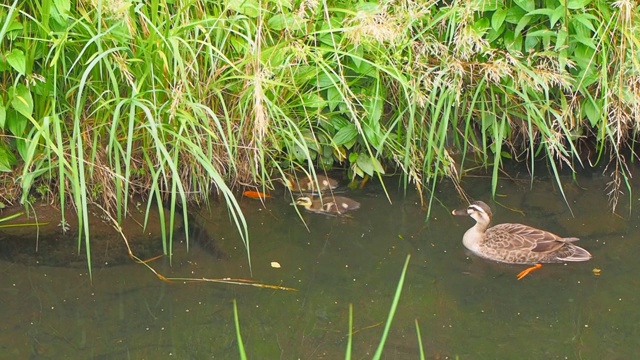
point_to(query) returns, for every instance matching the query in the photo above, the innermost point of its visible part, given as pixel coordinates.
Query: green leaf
(592, 110)
(576, 4)
(369, 165)
(7, 159)
(16, 122)
(21, 100)
(313, 100)
(527, 5)
(63, 7)
(498, 18)
(513, 43)
(357, 54)
(587, 41)
(514, 14)
(3, 116)
(286, 21)
(522, 24)
(17, 61)
(346, 135)
(246, 7)
(558, 13)
(489, 5)
(585, 19)
(334, 97)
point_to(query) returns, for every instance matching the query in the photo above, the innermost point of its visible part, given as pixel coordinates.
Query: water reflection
(466, 306)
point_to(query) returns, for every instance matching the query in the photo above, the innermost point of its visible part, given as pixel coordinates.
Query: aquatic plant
(177, 101)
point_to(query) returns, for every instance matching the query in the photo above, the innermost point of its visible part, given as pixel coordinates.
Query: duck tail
(577, 254)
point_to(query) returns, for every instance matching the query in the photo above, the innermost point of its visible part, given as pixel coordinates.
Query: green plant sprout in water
(378, 354)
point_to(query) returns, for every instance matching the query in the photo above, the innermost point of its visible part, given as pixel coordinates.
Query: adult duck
(516, 243)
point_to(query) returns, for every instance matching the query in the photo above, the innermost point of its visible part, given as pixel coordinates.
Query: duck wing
(518, 236)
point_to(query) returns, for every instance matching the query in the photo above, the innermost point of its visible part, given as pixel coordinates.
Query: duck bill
(460, 212)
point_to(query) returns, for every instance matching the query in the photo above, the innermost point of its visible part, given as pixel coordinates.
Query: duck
(310, 184)
(336, 205)
(516, 243)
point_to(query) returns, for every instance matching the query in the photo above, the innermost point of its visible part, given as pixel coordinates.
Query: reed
(178, 101)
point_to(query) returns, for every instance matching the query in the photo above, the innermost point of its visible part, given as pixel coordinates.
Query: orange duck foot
(526, 271)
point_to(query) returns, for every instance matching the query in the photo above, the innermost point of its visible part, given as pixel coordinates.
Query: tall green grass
(177, 101)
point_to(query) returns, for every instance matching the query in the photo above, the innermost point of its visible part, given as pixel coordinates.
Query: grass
(385, 333)
(182, 102)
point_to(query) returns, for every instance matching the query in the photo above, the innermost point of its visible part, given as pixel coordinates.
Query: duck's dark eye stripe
(475, 208)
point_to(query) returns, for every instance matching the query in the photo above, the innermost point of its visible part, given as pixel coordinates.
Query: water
(465, 306)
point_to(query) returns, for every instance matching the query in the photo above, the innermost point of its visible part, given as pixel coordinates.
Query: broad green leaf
(282, 3)
(547, 12)
(522, 24)
(313, 100)
(498, 18)
(513, 43)
(14, 29)
(357, 54)
(558, 13)
(63, 7)
(489, 5)
(492, 35)
(585, 20)
(530, 42)
(481, 25)
(514, 14)
(561, 40)
(592, 110)
(587, 41)
(370, 7)
(247, 7)
(326, 80)
(22, 147)
(7, 159)
(365, 164)
(345, 135)
(21, 100)
(286, 21)
(374, 107)
(527, 5)
(16, 122)
(366, 69)
(576, 4)
(369, 165)
(17, 61)
(334, 97)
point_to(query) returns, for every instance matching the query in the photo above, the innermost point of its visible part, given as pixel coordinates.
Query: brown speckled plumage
(309, 184)
(516, 243)
(336, 205)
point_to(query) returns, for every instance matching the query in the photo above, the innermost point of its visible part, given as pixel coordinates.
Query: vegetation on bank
(176, 100)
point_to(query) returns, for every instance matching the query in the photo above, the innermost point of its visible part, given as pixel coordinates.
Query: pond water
(466, 307)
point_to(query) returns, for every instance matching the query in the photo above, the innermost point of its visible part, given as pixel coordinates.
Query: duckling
(336, 205)
(516, 243)
(307, 184)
